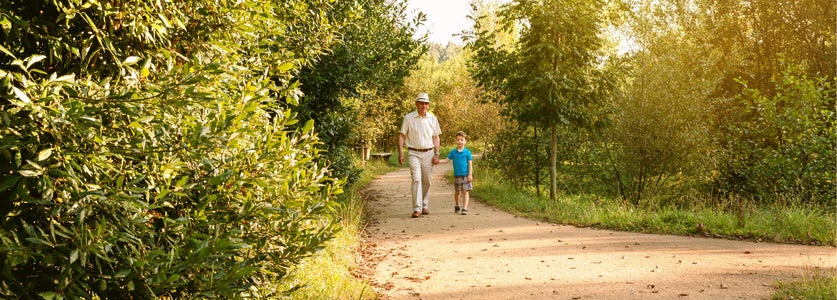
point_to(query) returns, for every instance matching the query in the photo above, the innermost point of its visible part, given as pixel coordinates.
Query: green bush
(183, 195)
(785, 144)
(136, 165)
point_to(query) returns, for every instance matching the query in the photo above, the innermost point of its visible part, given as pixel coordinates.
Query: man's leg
(414, 160)
(426, 175)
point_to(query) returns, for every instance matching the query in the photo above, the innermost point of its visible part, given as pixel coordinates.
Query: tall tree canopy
(551, 78)
(374, 57)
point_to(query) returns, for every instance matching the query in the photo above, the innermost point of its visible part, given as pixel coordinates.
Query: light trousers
(421, 170)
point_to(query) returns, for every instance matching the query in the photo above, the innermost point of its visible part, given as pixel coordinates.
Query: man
(420, 132)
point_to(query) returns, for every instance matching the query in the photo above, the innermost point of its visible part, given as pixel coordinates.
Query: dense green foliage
(153, 149)
(787, 143)
(712, 100)
(550, 77)
(358, 76)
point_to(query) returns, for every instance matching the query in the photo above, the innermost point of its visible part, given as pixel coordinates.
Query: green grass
(788, 222)
(815, 285)
(329, 274)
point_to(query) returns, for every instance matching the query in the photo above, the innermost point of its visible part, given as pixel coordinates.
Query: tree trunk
(537, 166)
(553, 163)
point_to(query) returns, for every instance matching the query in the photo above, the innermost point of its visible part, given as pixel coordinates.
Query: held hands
(401, 159)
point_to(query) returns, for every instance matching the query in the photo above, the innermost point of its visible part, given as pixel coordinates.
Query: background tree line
(181, 149)
(663, 102)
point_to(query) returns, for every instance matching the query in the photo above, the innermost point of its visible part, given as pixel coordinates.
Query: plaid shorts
(461, 183)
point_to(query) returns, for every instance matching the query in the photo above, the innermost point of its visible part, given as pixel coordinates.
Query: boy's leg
(456, 206)
(465, 195)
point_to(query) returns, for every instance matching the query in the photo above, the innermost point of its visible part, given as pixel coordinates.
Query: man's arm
(401, 138)
(436, 149)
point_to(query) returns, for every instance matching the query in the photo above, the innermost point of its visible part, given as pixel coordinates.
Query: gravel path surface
(490, 254)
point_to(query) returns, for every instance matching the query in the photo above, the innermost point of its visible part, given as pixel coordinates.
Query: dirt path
(491, 254)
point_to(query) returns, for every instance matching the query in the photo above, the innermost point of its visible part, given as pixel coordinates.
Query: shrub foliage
(146, 149)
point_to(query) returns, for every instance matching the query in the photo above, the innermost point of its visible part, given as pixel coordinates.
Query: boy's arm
(470, 170)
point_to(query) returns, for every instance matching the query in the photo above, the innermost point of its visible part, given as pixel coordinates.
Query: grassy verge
(816, 285)
(329, 274)
(790, 222)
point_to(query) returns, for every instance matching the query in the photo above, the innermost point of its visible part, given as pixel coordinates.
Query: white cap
(423, 97)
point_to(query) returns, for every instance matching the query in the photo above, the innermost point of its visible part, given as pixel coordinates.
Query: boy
(462, 172)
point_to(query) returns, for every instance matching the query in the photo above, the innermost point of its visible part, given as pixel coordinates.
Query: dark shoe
(416, 214)
(456, 209)
(424, 211)
(464, 211)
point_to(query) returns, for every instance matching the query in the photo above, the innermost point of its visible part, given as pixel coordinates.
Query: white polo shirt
(419, 131)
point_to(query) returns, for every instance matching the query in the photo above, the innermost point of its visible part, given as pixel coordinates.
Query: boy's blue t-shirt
(460, 161)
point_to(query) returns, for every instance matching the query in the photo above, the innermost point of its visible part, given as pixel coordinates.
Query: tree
(550, 78)
(707, 49)
(374, 56)
(658, 132)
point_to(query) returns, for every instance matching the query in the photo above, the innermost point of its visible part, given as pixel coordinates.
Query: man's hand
(435, 159)
(401, 157)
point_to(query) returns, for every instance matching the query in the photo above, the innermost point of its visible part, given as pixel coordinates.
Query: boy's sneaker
(464, 211)
(456, 209)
